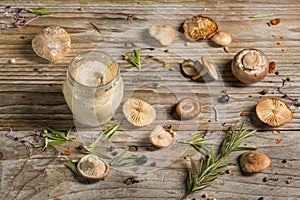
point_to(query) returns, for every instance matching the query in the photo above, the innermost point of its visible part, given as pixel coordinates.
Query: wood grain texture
(31, 97)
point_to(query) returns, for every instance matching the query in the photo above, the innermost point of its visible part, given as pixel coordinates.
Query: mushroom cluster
(193, 68)
(250, 66)
(201, 27)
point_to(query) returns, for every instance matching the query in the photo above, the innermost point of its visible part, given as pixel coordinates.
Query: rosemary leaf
(72, 165)
(97, 153)
(58, 133)
(108, 133)
(118, 158)
(51, 143)
(210, 167)
(262, 15)
(40, 10)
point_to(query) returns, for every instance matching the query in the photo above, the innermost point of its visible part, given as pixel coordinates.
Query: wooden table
(31, 97)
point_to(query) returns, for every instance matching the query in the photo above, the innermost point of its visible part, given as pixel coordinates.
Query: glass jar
(93, 89)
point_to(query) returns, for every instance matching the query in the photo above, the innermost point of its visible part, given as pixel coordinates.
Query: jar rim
(113, 62)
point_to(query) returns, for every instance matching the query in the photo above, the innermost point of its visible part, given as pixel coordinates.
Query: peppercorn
(142, 160)
(289, 181)
(275, 21)
(224, 98)
(284, 161)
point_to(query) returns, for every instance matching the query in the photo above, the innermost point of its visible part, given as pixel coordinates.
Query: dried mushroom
(208, 68)
(139, 112)
(188, 108)
(199, 27)
(189, 67)
(53, 43)
(273, 111)
(250, 66)
(160, 137)
(254, 161)
(221, 38)
(163, 33)
(92, 167)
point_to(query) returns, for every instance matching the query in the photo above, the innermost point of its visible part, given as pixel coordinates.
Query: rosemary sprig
(134, 58)
(199, 143)
(108, 133)
(72, 165)
(210, 166)
(262, 15)
(40, 10)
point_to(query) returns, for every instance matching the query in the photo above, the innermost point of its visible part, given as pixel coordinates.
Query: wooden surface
(31, 97)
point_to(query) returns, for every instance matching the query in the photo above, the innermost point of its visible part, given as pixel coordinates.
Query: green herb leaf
(108, 133)
(118, 158)
(51, 143)
(262, 15)
(134, 58)
(39, 12)
(72, 165)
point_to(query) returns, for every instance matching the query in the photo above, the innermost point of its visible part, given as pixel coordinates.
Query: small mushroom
(53, 43)
(188, 108)
(91, 167)
(199, 27)
(250, 66)
(209, 68)
(273, 111)
(160, 137)
(189, 67)
(254, 161)
(139, 112)
(163, 33)
(221, 38)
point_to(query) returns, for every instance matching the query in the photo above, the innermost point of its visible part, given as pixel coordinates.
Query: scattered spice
(260, 198)
(130, 181)
(278, 141)
(166, 65)
(228, 171)
(263, 92)
(274, 36)
(154, 164)
(204, 195)
(227, 49)
(274, 132)
(67, 152)
(277, 172)
(57, 198)
(224, 98)
(281, 37)
(12, 61)
(289, 181)
(284, 161)
(81, 9)
(23, 97)
(275, 21)
(131, 17)
(271, 67)
(243, 114)
(282, 50)
(276, 73)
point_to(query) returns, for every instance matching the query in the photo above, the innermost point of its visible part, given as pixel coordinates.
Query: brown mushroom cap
(188, 108)
(221, 38)
(92, 167)
(199, 27)
(273, 111)
(160, 137)
(250, 66)
(53, 43)
(209, 68)
(189, 68)
(254, 161)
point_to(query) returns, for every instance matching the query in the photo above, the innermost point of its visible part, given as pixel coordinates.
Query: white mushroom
(92, 167)
(139, 112)
(250, 66)
(209, 68)
(163, 33)
(53, 43)
(160, 137)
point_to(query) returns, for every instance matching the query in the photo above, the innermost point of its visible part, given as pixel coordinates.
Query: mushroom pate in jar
(93, 89)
